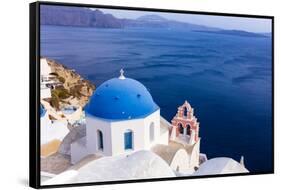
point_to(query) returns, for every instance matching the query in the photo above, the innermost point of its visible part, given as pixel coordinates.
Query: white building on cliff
(45, 70)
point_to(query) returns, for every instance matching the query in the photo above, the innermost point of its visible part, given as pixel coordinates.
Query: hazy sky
(238, 23)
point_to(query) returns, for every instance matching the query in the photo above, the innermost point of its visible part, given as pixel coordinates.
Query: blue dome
(121, 99)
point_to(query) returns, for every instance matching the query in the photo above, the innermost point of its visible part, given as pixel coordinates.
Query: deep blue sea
(226, 79)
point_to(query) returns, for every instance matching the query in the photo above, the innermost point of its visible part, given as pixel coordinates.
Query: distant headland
(85, 17)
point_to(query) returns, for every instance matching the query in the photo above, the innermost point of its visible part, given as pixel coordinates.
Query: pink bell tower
(185, 125)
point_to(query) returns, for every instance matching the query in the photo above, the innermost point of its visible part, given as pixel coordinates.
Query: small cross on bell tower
(122, 74)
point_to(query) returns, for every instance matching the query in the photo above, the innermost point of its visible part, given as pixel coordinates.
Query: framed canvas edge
(34, 96)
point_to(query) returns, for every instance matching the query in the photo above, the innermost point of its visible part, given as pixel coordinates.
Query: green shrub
(61, 93)
(76, 91)
(55, 102)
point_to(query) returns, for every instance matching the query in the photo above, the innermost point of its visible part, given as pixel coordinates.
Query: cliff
(72, 90)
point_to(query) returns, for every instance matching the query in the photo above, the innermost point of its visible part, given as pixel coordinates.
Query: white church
(121, 118)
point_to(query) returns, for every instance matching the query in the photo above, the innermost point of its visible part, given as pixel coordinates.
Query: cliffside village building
(48, 79)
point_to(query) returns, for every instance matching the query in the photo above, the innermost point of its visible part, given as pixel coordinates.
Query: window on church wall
(128, 139)
(180, 128)
(151, 132)
(100, 140)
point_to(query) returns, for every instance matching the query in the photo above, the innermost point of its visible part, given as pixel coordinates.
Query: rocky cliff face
(72, 89)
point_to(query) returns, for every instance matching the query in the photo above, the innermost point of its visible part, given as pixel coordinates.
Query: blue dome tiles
(121, 99)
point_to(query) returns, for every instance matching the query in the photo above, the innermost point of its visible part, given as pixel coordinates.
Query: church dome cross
(122, 75)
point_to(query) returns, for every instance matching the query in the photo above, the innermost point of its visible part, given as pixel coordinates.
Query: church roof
(138, 165)
(220, 165)
(121, 99)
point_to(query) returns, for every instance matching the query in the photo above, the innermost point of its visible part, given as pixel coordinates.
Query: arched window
(185, 110)
(100, 140)
(180, 128)
(151, 132)
(128, 139)
(188, 130)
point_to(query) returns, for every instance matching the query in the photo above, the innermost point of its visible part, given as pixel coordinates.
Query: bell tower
(185, 125)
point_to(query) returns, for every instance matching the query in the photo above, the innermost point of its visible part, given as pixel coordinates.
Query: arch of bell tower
(185, 118)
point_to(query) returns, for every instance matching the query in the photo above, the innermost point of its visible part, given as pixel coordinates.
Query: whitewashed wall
(45, 93)
(92, 125)
(113, 134)
(153, 118)
(78, 150)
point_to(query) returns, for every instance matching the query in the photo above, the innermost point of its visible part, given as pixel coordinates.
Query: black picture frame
(34, 92)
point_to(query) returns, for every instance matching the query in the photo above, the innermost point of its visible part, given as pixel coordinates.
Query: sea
(227, 79)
